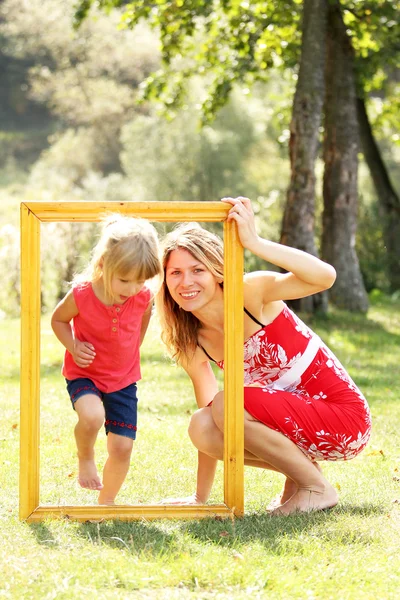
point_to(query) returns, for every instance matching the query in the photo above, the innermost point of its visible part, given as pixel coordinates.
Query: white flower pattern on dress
(266, 361)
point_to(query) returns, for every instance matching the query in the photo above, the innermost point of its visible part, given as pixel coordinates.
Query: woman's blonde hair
(126, 245)
(179, 328)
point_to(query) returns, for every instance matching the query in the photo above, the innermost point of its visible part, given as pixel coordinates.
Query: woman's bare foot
(88, 476)
(289, 489)
(306, 500)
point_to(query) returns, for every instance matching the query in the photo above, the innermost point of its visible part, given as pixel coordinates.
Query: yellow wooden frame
(34, 213)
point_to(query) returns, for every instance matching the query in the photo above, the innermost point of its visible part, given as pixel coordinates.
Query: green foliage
(371, 249)
(374, 30)
(176, 160)
(240, 42)
(9, 265)
(65, 251)
(87, 79)
(385, 115)
(370, 241)
(230, 42)
(162, 160)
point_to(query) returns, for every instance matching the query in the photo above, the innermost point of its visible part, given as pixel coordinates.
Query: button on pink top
(114, 332)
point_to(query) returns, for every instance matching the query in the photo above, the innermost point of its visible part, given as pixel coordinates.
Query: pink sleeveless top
(114, 332)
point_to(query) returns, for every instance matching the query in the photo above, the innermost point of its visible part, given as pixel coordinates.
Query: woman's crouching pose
(300, 405)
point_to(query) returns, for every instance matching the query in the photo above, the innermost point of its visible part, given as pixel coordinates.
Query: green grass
(350, 552)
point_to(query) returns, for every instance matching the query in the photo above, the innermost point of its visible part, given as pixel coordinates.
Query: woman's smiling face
(189, 282)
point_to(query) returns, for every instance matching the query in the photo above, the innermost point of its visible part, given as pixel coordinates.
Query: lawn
(349, 552)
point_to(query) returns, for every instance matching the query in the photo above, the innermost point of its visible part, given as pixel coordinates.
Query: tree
(244, 40)
(298, 220)
(388, 199)
(340, 188)
(375, 35)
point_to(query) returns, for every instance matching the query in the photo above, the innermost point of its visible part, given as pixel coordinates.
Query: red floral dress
(321, 409)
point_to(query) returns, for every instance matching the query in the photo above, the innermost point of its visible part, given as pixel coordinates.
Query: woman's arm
(205, 388)
(306, 274)
(202, 377)
(206, 467)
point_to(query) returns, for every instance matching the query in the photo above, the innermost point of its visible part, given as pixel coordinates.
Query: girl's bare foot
(105, 502)
(306, 500)
(88, 476)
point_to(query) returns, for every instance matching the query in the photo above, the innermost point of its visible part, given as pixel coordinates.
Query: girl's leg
(116, 468)
(314, 491)
(90, 411)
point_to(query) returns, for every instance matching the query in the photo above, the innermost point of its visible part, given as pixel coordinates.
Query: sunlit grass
(350, 552)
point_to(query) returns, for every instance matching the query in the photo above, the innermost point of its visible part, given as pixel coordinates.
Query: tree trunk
(389, 201)
(298, 219)
(340, 187)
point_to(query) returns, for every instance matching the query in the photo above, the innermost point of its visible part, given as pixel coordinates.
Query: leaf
(375, 453)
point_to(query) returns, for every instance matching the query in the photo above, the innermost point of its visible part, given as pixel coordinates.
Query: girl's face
(189, 282)
(124, 287)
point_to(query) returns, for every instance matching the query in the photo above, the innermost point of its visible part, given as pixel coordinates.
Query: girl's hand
(193, 499)
(83, 354)
(243, 214)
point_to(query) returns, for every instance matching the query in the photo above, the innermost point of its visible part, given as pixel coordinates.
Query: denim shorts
(120, 407)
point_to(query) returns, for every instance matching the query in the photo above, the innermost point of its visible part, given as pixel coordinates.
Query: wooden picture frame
(32, 215)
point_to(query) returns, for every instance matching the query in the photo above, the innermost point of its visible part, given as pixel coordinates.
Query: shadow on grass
(270, 530)
(166, 538)
(43, 535)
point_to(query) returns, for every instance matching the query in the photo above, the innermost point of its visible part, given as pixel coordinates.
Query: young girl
(300, 404)
(102, 322)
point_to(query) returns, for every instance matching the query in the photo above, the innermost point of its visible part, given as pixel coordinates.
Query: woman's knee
(199, 423)
(202, 430)
(205, 435)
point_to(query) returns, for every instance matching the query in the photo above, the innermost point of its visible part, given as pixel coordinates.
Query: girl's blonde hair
(179, 328)
(127, 245)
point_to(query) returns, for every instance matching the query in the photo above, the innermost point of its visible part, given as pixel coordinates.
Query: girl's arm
(306, 274)
(83, 353)
(146, 320)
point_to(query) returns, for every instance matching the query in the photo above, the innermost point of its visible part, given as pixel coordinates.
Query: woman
(300, 405)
